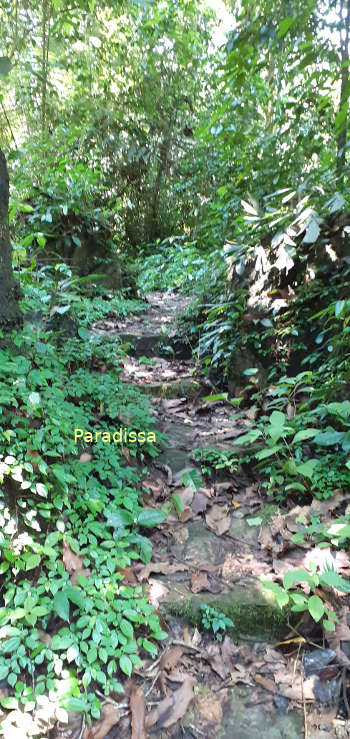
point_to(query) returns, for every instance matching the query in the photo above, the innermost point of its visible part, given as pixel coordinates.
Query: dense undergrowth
(71, 512)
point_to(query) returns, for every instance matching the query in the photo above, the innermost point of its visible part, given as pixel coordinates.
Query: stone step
(156, 345)
(175, 389)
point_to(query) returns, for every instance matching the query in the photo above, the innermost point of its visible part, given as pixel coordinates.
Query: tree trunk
(344, 93)
(10, 315)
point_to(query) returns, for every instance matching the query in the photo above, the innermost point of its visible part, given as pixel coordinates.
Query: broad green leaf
(250, 437)
(285, 26)
(307, 468)
(329, 438)
(268, 452)
(61, 605)
(11, 704)
(316, 607)
(79, 704)
(126, 628)
(83, 333)
(125, 665)
(192, 478)
(339, 307)
(213, 398)
(304, 434)
(178, 504)
(150, 517)
(299, 575)
(328, 625)
(333, 579)
(31, 560)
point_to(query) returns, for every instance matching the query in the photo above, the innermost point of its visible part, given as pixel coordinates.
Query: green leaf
(178, 504)
(192, 478)
(329, 438)
(333, 579)
(61, 605)
(125, 665)
(316, 607)
(10, 645)
(299, 575)
(31, 560)
(254, 521)
(150, 517)
(328, 625)
(126, 628)
(4, 671)
(78, 705)
(34, 398)
(5, 65)
(339, 307)
(268, 452)
(248, 438)
(11, 704)
(213, 398)
(307, 468)
(304, 434)
(282, 598)
(285, 26)
(83, 333)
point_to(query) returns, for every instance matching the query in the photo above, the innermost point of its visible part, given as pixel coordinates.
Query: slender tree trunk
(45, 38)
(10, 315)
(344, 92)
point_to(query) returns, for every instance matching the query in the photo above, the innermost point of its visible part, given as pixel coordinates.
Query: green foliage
(59, 634)
(298, 602)
(215, 459)
(214, 621)
(291, 450)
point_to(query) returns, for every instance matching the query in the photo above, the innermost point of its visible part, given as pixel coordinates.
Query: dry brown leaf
(199, 581)
(170, 658)
(200, 503)
(228, 653)
(163, 568)
(218, 520)
(340, 634)
(172, 708)
(138, 713)
(126, 454)
(155, 592)
(73, 564)
(214, 657)
(109, 717)
(85, 457)
(299, 691)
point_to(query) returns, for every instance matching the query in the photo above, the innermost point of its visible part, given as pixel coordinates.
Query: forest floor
(216, 543)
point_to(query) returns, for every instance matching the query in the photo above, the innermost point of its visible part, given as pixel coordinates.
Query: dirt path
(206, 554)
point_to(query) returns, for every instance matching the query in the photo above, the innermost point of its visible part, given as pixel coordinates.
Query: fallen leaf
(170, 658)
(73, 564)
(163, 568)
(126, 454)
(109, 717)
(218, 519)
(172, 708)
(214, 657)
(200, 503)
(137, 708)
(199, 581)
(155, 592)
(85, 457)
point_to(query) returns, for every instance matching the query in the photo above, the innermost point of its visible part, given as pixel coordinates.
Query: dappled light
(174, 369)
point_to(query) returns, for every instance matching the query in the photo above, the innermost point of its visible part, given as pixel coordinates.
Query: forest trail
(206, 553)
